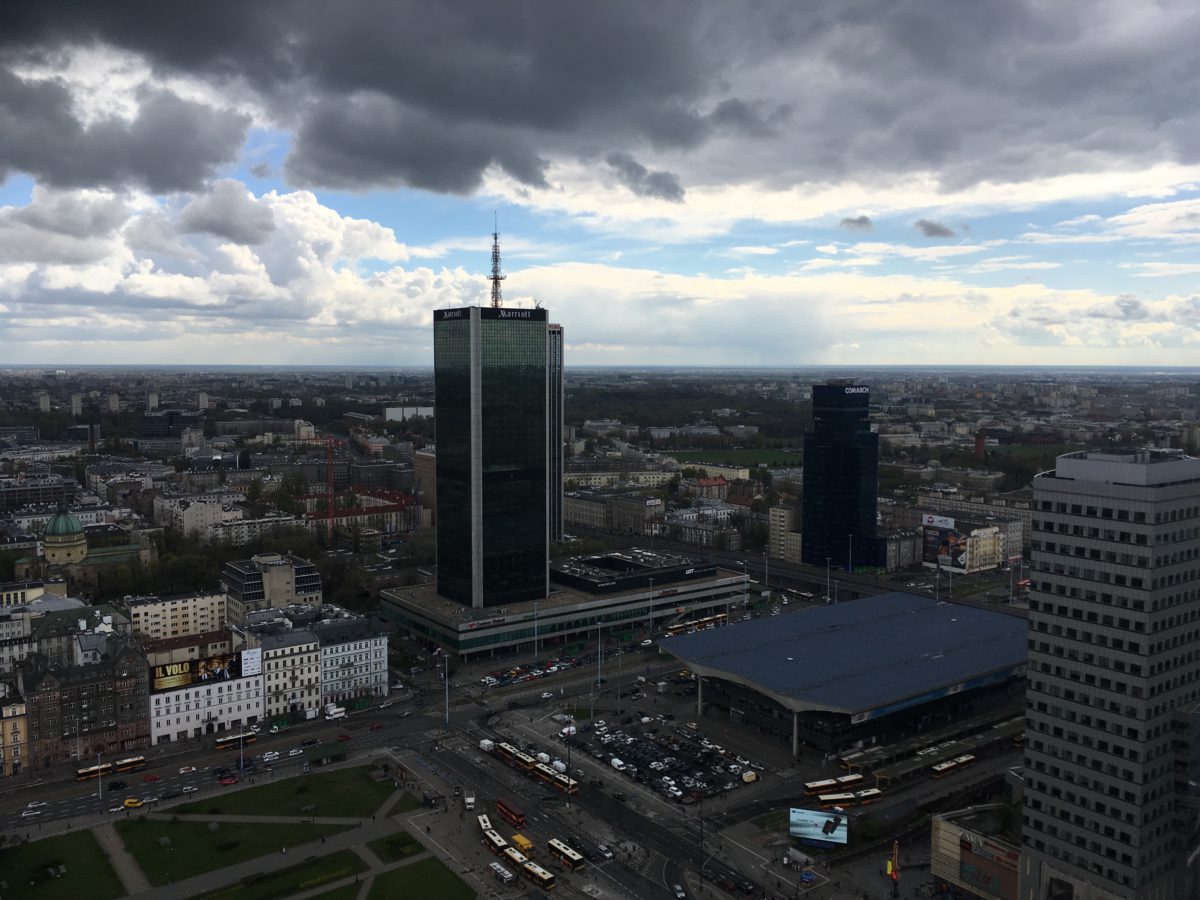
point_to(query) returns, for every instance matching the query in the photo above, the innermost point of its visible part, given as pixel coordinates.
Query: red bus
(510, 813)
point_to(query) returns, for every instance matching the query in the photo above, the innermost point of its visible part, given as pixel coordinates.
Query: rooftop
(890, 650)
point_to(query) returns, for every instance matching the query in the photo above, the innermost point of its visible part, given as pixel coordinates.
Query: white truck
(333, 711)
(468, 800)
(487, 746)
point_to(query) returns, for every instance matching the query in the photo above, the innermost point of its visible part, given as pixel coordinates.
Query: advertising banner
(252, 662)
(936, 521)
(172, 676)
(988, 867)
(945, 548)
(817, 826)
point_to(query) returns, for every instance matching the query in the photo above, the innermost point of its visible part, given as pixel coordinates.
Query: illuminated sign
(172, 676)
(818, 827)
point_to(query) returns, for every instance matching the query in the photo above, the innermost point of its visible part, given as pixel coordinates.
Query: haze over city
(689, 183)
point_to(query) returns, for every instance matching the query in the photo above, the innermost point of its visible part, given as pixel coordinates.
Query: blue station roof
(866, 657)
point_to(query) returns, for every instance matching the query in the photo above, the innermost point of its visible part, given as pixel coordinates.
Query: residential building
(781, 523)
(588, 509)
(78, 711)
(14, 733)
(21, 491)
(18, 593)
(239, 532)
(291, 667)
(841, 470)
(203, 694)
(269, 579)
(1112, 614)
(490, 384)
(354, 660)
(633, 513)
(176, 616)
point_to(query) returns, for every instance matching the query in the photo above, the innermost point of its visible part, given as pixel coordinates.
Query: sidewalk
(126, 867)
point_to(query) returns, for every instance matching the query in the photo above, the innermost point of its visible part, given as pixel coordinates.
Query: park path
(133, 879)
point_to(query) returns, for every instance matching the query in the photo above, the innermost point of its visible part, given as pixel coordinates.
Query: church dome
(62, 524)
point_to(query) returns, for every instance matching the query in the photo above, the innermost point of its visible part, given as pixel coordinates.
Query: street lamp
(99, 779)
(535, 633)
(850, 556)
(828, 596)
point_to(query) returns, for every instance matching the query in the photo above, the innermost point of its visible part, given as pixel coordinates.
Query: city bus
(539, 876)
(568, 857)
(485, 824)
(515, 856)
(93, 772)
(565, 784)
(868, 796)
(510, 813)
(524, 844)
(830, 801)
(849, 781)
(942, 769)
(697, 624)
(826, 786)
(234, 741)
(961, 762)
(131, 764)
(494, 843)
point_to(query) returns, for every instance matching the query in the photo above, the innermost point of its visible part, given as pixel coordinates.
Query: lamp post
(850, 556)
(828, 596)
(535, 633)
(99, 780)
(650, 611)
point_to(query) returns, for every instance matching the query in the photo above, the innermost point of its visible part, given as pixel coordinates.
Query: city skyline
(882, 184)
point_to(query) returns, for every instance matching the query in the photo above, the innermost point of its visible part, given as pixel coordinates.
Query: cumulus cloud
(643, 182)
(228, 210)
(933, 229)
(858, 223)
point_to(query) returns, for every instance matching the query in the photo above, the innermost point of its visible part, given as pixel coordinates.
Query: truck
(337, 712)
(311, 713)
(617, 764)
(487, 746)
(469, 800)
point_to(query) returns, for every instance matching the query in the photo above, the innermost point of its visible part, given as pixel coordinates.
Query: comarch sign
(858, 390)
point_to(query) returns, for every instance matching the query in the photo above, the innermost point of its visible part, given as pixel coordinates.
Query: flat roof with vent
(865, 658)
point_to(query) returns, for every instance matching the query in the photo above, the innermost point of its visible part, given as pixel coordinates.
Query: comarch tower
(492, 389)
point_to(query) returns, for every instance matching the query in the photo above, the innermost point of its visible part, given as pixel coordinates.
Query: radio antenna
(496, 277)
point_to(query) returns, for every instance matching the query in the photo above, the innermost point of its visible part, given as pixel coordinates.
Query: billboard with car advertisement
(817, 826)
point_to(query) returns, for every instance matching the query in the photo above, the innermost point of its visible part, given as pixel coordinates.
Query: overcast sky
(303, 181)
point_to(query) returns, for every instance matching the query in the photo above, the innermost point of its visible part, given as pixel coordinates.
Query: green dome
(63, 524)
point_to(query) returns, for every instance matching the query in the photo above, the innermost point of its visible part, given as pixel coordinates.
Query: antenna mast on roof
(496, 276)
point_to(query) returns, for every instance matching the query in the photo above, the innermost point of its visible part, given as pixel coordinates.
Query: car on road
(274, 729)
(132, 803)
(621, 796)
(190, 789)
(30, 813)
(34, 804)
(376, 726)
(187, 770)
(310, 742)
(680, 893)
(229, 779)
(151, 778)
(604, 851)
(547, 695)
(117, 809)
(296, 751)
(342, 738)
(647, 643)
(270, 756)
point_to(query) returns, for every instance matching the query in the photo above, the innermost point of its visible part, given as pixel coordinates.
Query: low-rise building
(14, 733)
(353, 660)
(205, 693)
(177, 616)
(291, 666)
(269, 580)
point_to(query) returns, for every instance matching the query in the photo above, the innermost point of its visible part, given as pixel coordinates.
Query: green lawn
(396, 847)
(345, 792)
(88, 877)
(303, 877)
(194, 849)
(428, 879)
(349, 892)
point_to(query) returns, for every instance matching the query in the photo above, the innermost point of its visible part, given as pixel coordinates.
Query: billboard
(252, 662)
(988, 867)
(172, 676)
(817, 826)
(937, 521)
(945, 548)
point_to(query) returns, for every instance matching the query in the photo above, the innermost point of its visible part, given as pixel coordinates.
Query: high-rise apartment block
(1113, 672)
(490, 383)
(841, 471)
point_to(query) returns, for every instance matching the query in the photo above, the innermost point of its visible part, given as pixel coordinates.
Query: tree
(256, 498)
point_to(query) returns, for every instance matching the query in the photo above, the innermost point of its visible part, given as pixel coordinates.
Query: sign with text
(172, 676)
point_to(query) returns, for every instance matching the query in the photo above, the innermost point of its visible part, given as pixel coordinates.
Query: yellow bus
(524, 844)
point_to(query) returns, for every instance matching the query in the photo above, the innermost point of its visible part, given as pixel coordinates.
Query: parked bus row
(530, 870)
(950, 766)
(833, 785)
(542, 771)
(849, 798)
(697, 624)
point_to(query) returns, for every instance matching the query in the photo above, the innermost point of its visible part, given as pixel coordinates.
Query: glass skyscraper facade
(491, 386)
(554, 409)
(841, 469)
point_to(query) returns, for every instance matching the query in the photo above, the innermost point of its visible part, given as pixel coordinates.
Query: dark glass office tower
(554, 409)
(490, 382)
(841, 467)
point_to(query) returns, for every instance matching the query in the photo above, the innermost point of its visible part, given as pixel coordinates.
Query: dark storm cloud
(228, 211)
(171, 145)
(858, 223)
(778, 93)
(642, 181)
(933, 229)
